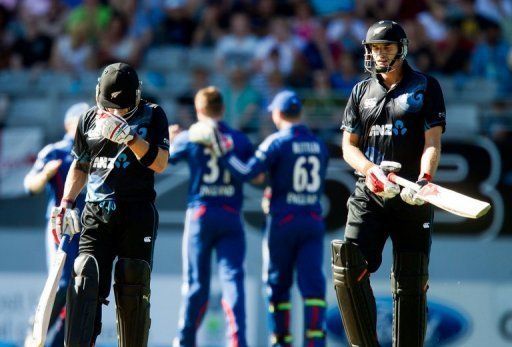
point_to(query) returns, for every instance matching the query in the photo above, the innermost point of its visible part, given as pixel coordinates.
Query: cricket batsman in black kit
(119, 145)
(398, 115)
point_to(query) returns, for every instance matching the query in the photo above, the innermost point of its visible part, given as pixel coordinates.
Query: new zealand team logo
(411, 101)
(122, 161)
(399, 128)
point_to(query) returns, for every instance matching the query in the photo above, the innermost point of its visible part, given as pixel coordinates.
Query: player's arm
(431, 152)
(155, 158)
(75, 181)
(353, 155)
(249, 171)
(35, 181)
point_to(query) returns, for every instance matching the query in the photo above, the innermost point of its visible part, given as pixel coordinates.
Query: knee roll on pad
(409, 284)
(132, 291)
(82, 302)
(354, 294)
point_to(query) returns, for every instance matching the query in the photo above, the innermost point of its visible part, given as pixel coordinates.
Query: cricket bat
(448, 200)
(47, 299)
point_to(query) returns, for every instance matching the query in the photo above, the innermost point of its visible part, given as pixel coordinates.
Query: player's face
(383, 53)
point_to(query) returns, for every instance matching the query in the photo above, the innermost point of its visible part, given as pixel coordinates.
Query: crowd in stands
(259, 46)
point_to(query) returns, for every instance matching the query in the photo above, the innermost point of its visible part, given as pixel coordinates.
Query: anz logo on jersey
(388, 129)
(121, 162)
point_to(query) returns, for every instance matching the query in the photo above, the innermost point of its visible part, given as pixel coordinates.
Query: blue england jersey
(210, 183)
(57, 151)
(296, 161)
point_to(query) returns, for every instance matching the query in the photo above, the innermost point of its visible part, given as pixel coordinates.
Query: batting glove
(410, 195)
(64, 220)
(115, 128)
(378, 183)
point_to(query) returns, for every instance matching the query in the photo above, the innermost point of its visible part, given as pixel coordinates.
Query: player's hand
(410, 196)
(64, 220)
(115, 128)
(174, 130)
(265, 200)
(51, 167)
(378, 183)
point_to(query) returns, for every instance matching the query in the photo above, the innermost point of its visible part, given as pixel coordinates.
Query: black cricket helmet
(384, 31)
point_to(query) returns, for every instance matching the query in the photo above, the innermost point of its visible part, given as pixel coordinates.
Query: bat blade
(446, 199)
(47, 299)
(451, 201)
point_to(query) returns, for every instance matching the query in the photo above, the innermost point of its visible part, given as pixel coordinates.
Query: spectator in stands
(186, 113)
(115, 45)
(6, 38)
(208, 31)
(278, 50)
(346, 29)
(304, 24)
(346, 75)
(489, 60)
(92, 17)
(141, 20)
(317, 51)
(178, 27)
(236, 50)
(262, 14)
(434, 23)
(241, 102)
(453, 54)
(420, 46)
(72, 52)
(33, 48)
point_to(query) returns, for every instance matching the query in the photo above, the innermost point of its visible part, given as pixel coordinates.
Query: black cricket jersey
(115, 173)
(391, 123)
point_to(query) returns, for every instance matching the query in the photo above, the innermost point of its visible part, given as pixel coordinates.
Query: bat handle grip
(393, 177)
(64, 241)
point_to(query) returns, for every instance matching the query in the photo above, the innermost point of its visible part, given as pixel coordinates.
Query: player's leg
(409, 277)
(91, 278)
(135, 237)
(311, 279)
(230, 250)
(278, 266)
(196, 258)
(352, 262)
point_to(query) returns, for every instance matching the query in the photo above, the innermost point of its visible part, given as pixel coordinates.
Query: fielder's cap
(118, 86)
(287, 102)
(75, 111)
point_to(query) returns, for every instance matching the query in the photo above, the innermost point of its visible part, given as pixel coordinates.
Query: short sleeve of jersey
(43, 157)
(435, 110)
(178, 148)
(267, 150)
(351, 120)
(160, 128)
(81, 150)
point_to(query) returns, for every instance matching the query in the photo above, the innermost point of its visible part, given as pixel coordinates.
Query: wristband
(426, 176)
(150, 156)
(67, 203)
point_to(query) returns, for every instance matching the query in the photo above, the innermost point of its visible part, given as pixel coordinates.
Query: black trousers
(123, 230)
(371, 220)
